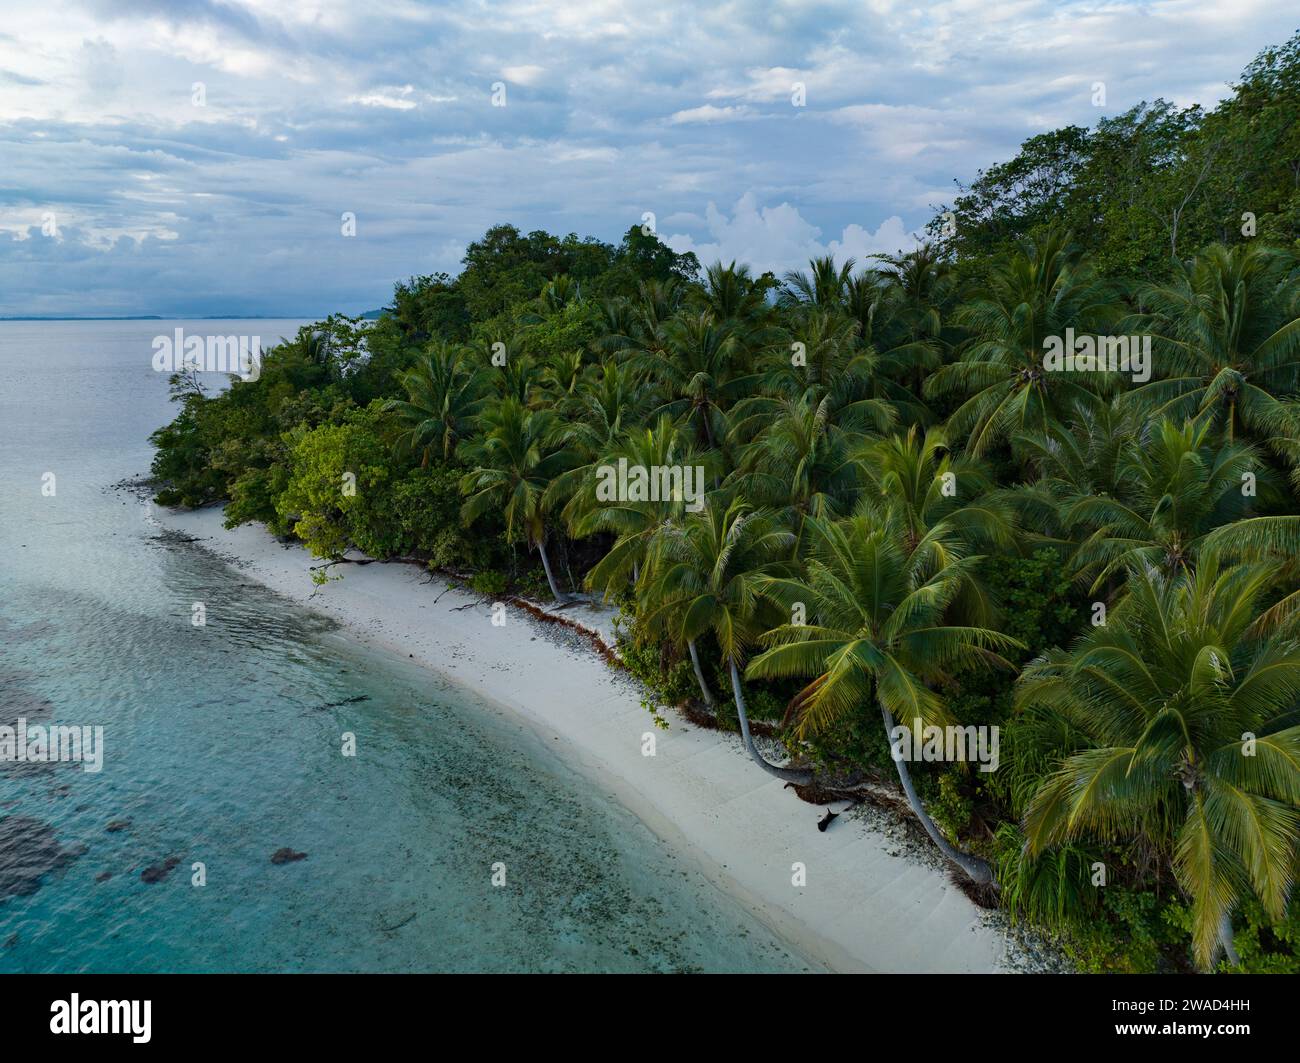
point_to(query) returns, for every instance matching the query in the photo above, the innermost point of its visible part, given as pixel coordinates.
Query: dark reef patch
(28, 853)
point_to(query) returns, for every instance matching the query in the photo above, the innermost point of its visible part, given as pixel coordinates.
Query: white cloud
(709, 113)
(395, 99)
(523, 75)
(779, 238)
(625, 107)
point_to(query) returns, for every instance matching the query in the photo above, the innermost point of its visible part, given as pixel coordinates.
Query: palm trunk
(699, 674)
(560, 596)
(1225, 939)
(976, 869)
(795, 775)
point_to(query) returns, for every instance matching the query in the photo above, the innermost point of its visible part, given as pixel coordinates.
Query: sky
(201, 158)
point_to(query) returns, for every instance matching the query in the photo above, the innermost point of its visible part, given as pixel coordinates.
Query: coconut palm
(877, 631)
(1069, 461)
(1179, 484)
(446, 390)
(908, 317)
(824, 285)
(634, 521)
(1039, 291)
(917, 476)
(730, 293)
(519, 454)
(607, 403)
(918, 285)
(817, 357)
(1184, 737)
(562, 374)
(1227, 342)
(630, 325)
(802, 463)
(521, 376)
(702, 576)
(695, 373)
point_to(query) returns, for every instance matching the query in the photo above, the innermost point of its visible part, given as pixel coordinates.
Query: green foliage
(951, 806)
(1039, 603)
(654, 661)
(1101, 928)
(489, 582)
(1267, 946)
(1150, 183)
(336, 473)
(912, 514)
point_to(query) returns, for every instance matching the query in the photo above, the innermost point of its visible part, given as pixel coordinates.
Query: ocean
(222, 746)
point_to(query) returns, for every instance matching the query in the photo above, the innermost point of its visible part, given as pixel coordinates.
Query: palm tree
(1184, 736)
(695, 372)
(518, 456)
(824, 285)
(802, 463)
(562, 374)
(918, 284)
(730, 293)
(1227, 332)
(521, 376)
(634, 522)
(913, 292)
(1069, 461)
(558, 293)
(1040, 291)
(596, 418)
(1170, 491)
(630, 325)
(702, 576)
(446, 390)
(916, 476)
(818, 357)
(878, 632)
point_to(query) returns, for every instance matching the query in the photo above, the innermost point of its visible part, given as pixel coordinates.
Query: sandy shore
(868, 903)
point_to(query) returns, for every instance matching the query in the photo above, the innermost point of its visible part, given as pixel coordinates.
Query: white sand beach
(869, 903)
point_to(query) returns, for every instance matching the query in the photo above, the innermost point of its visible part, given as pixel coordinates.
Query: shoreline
(869, 904)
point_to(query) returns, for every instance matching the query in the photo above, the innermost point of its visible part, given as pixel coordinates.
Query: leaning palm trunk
(699, 674)
(976, 869)
(1225, 939)
(795, 775)
(560, 596)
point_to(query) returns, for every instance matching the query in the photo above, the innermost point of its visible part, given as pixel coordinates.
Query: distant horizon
(170, 317)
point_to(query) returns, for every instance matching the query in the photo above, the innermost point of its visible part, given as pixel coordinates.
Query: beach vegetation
(910, 506)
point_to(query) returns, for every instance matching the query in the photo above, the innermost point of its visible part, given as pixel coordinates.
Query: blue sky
(120, 194)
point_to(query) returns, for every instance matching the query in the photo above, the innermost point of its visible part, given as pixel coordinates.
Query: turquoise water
(222, 745)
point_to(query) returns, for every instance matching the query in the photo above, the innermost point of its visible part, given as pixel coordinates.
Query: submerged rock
(158, 872)
(28, 852)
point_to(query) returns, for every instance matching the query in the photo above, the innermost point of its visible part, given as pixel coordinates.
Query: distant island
(368, 315)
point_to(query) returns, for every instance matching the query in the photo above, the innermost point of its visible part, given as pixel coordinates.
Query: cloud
(616, 108)
(709, 113)
(779, 238)
(395, 99)
(523, 75)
